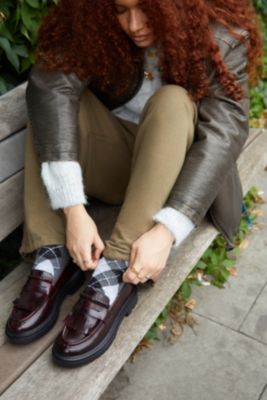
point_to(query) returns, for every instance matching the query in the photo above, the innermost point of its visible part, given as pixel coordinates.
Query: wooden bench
(27, 372)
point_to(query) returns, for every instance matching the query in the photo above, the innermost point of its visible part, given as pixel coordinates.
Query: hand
(83, 242)
(149, 255)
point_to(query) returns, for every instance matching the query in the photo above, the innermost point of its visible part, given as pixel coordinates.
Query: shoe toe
(91, 327)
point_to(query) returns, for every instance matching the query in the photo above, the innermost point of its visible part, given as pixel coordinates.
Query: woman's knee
(171, 108)
(171, 98)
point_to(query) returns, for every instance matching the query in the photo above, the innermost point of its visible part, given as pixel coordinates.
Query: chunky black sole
(76, 281)
(66, 361)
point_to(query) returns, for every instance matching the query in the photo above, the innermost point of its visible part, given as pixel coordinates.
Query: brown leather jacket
(209, 182)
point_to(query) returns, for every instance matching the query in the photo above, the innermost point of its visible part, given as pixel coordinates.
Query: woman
(141, 104)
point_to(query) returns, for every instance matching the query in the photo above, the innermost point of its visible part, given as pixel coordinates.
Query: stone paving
(225, 356)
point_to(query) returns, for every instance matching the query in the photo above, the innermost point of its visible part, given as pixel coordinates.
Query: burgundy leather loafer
(36, 309)
(92, 325)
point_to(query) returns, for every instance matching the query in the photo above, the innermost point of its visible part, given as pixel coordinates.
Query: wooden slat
(12, 155)
(12, 111)
(253, 134)
(252, 158)
(91, 380)
(13, 278)
(8, 294)
(11, 204)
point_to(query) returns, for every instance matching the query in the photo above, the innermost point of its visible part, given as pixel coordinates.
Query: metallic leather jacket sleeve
(53, 107)
(221, 131)
(209, 179)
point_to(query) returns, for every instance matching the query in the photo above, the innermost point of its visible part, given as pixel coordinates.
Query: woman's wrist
(78, 208)
(165, 231)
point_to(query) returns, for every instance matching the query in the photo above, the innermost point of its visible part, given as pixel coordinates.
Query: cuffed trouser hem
(116, 254)
(31, 244)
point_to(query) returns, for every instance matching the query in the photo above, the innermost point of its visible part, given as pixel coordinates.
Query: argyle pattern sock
(107, 277)
(51, 259)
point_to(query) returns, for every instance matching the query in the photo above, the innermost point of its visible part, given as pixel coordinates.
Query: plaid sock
(51, 259)
(107, 277)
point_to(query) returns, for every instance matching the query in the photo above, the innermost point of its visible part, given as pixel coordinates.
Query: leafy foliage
(258, 93)
(261, 6)
(214, 268)
(19, 22)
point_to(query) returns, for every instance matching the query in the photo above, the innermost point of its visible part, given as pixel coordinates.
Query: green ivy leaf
(10, 53)
(33, 3)
(21, 50)
(214, 258)
(3, 86)
(26, 63)
(6, 6)
(18, 13)
(28, 16)
(152, 334)
(224, 274)
(228, 263)
(4, 31)
(186, 290)
(201, 265)
(24, 32)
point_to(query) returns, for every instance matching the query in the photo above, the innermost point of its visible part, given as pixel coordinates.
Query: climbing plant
(19, 22)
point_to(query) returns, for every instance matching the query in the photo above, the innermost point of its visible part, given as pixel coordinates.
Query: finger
(145, 276)
(98, 248)
(135, 267)
(79, 262)
(80, 265)
(130, 277)
(144, 280)
(89, 263)
(132, 256)
(134, 280)
(75, 258)
(94, 264)
(156, 276)
(85, 260)
(71, 254)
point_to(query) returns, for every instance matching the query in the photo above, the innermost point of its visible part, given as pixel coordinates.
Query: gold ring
(135, 271)
(86, 261)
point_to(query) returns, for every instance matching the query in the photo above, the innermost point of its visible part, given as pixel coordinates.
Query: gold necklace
(149, 75)
(150, 64)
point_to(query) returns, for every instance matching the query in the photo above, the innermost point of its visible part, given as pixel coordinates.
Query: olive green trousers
(122, 163)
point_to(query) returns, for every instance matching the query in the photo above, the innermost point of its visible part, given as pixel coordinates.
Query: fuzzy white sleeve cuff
(64, 183)
(179, 224)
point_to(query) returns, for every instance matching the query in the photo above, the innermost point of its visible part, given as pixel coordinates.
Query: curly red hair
(85, 37)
